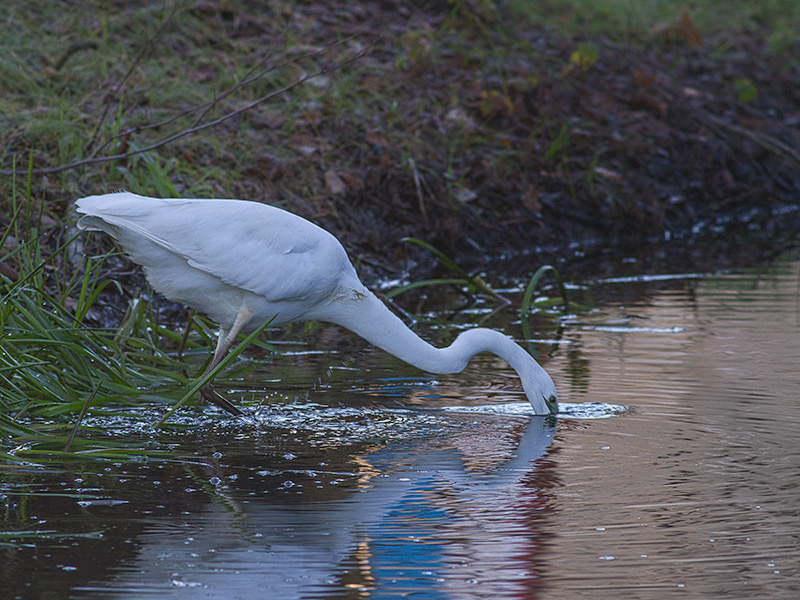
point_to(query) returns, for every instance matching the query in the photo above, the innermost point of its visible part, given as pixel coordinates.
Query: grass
(72, 81)
(55, 366)
(775, 20)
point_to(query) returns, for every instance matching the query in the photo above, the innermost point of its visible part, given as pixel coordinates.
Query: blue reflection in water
(410, 518)
(403, 547)
(424, 523)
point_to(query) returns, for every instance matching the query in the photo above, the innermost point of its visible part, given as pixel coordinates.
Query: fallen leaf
(584, 56)
(747, 90)
(459, 116)
(530, 200)
(372, 82)
(351, 181)
(643, 78)
(335, 184)
(9, 244)
(495, 103)
(375, 138)
(689, 32)
(607, 174)
(270, 167)
(465, 195)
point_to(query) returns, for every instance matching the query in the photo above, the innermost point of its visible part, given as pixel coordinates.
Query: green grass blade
(527, 298)
(230, 357)
(81, 415)
(424, 283)
(446, 260)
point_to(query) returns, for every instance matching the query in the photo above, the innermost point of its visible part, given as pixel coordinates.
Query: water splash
(583, 410)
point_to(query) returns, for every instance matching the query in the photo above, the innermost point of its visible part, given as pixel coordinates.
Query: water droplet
(217, 455)
(183, 584)
(215, 480)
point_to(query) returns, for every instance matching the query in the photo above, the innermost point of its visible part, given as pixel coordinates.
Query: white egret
(243, 263)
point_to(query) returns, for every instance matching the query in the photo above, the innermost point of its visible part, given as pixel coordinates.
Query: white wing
(249, 245)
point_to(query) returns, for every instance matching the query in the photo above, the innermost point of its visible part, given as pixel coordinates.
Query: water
(672, 471)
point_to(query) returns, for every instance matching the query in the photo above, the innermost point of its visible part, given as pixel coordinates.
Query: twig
(243, 82)
(206, 106)
(72, 49)
(201, 127)
(118, 86)
(404, 314)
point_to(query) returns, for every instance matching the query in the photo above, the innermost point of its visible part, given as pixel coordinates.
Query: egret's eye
(552, 404)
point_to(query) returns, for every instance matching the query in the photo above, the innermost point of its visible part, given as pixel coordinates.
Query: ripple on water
(583, 410)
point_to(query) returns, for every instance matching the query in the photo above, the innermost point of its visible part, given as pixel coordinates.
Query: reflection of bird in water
(246, 263)
(419, 525)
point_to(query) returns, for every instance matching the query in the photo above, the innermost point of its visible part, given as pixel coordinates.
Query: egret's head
(541, 391)
(552, 403)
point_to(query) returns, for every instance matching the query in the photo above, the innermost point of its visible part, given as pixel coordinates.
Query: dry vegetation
(480, 127)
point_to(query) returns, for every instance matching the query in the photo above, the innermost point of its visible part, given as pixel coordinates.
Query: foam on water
(584, 410)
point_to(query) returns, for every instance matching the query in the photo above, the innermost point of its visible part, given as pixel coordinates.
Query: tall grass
(50, 362)
(54, 366)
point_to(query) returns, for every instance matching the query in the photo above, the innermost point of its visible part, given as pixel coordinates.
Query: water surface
(672, 471)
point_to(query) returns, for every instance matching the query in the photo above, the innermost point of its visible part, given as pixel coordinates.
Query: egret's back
(213, 254)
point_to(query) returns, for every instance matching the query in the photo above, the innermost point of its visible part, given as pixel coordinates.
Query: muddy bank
(472, 127)
(670, 142)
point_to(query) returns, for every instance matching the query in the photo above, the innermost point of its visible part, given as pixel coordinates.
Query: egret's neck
(360, 311)
(370, 318)
(364, 314)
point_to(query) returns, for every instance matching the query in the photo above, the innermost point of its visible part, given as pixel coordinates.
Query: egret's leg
(224, 341)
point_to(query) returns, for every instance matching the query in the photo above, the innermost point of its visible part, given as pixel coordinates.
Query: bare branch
(92, 160)
(118, 86)
(206, 107)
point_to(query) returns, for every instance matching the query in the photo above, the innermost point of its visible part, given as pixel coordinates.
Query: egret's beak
(552, 404)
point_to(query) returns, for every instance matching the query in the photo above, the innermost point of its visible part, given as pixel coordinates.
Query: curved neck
(360, 311)
(368, 317)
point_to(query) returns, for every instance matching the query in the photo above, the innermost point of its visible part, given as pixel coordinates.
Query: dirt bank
(463, 124)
